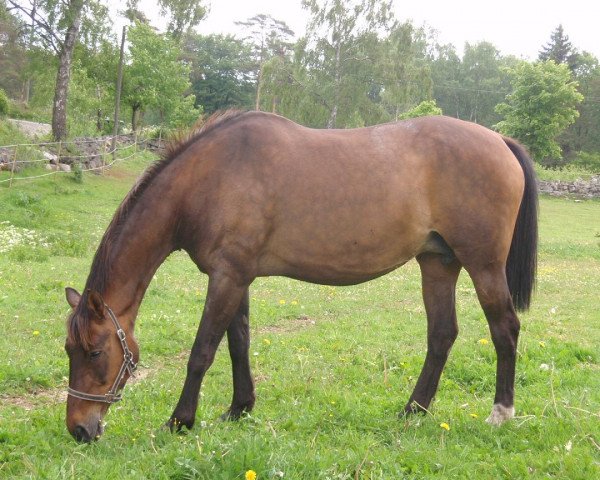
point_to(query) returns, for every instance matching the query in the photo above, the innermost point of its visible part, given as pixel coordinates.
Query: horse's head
(102, 356)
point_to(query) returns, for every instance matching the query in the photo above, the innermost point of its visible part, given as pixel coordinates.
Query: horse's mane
(78, 322)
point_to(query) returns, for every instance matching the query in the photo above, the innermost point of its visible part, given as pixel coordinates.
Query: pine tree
(559, 49)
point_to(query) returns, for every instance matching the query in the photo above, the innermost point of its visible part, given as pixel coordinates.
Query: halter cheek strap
(128, 366)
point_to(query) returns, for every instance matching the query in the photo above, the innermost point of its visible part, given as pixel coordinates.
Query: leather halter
(129, 366)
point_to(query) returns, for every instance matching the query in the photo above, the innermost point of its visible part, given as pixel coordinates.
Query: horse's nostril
(81, 434)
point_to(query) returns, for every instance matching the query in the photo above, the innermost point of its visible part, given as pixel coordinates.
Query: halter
(113, 395)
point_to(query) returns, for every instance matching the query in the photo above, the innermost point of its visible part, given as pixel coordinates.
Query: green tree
(343, 37)
(559, 49)
(268, 38)
(182, 15)
(221, 71)
(13, 53)
(56, 26)
(584, 134)
(423, 109)
(156, 76)
(542, 104)
(402, 71)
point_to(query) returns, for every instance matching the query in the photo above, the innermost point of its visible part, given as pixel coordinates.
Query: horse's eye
(95, 354)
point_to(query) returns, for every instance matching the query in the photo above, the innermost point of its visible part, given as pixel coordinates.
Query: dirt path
(31, 129)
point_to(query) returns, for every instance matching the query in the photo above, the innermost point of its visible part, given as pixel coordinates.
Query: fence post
(103, 157)
(58, 153)
(14, 163)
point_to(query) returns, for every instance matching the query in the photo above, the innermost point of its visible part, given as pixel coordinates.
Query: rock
(64, 167)
(50, 157)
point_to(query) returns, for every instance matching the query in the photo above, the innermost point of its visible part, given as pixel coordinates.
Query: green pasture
(333, 366)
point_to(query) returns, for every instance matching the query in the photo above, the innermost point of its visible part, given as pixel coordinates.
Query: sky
(515, 27)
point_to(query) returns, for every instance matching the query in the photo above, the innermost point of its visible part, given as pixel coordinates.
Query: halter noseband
(113, 395)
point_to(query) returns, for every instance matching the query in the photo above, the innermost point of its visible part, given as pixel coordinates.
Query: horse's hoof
(500, 414)
(175, 425)
(411, 409)
(233, 414)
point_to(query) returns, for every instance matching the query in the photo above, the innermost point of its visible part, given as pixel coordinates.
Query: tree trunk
(134, 117)
(258, 87)
(65, 57)
(338, 80)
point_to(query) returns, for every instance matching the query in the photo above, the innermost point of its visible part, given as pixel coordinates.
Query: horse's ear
(73, 297)
(95, 304)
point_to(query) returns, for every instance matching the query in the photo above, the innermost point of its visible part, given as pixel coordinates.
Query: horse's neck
(142, 244)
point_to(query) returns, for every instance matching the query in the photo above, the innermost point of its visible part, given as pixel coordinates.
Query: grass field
(333, 366)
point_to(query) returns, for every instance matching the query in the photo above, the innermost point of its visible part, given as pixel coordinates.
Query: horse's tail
(522, 259)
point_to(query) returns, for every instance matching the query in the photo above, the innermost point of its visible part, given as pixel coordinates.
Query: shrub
(428, 107)
(3, 103)
(589, 161)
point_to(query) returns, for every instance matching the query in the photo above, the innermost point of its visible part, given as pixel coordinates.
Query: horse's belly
(341, 259)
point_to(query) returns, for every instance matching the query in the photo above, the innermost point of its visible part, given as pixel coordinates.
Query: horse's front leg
(225, 293)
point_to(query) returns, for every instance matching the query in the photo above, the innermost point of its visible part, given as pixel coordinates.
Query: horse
(252, 194)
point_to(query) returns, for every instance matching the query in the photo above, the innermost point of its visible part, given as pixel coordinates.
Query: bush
(3, 103)
(428, 107)
(587, 160)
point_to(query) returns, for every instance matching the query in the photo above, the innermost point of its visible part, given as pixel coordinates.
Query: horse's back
(342, 206)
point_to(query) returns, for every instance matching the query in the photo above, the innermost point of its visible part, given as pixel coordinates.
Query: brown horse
(253, 194)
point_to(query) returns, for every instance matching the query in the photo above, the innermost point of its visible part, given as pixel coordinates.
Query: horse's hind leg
(238, 339)
(439, 278)
(494, 296)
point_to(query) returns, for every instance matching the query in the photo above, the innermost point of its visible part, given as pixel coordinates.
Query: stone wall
(580, 188)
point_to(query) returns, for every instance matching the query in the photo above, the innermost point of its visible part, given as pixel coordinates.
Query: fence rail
(51, 153)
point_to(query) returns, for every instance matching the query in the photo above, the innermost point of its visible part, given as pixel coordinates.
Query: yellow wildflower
(281, 302)
(445, 426)
(267, 341)
(543, 344)
(250, 475)
(36, 333)
(294, 302)
(473, 415)
(483, 341)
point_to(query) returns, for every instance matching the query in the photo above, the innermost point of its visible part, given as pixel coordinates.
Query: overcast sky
(516, 27)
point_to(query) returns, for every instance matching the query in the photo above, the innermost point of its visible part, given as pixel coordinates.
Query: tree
(402, 72)
(541, 105)
(221, 71)
(13, 53)
(56, 26)
(156, 77)
(584, 134)
(344, 36)
(268, 38)
(559, 49)
(423, 109)
(183, 15)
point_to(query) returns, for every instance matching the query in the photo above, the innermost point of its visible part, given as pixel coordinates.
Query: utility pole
(118, 95)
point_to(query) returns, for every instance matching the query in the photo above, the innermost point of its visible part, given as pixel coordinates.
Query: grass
(568, 173)
(333, 365)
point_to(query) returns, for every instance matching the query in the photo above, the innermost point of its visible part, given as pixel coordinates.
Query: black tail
(522, 258)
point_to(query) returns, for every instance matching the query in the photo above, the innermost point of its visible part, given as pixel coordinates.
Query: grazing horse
(252, 194)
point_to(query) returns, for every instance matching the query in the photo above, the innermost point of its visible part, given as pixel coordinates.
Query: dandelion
(542, 344)
(445, 426)
(36, 333)
(250, 475)
(294, 302)
(483, 341)
(281, 302)
(473, 415)
(267, 341)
